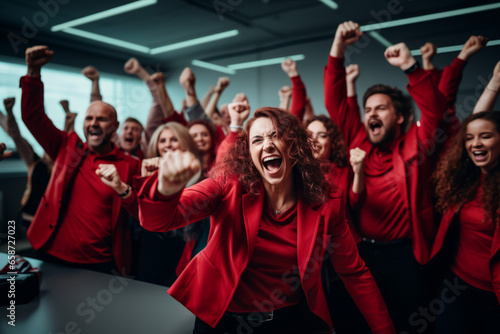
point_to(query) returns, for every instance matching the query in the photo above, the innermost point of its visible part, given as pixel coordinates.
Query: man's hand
(222, 83)
(158, 78)
(357, 160)
(187, 79)
(132, 66)
(473, 45)
(149, 166)
(399, 55)
(289, 67)
(239, 112)
(4, 154)
(109, 176)
(91, 72)
(175, 171)
(352, 73)
(36, 57)
(240, 97)
(9, 104)
(347, 33)
(428, 51)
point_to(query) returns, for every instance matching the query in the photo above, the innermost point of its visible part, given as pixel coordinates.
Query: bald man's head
(99, 125)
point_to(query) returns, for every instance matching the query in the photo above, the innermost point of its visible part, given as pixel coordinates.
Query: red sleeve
(162, 214)
(352, 102)
(226, 145)
(176, 117)
(219, 136)
(357, 278)
(336, 103)
(299, 96)
(436, 74)
(430, 101)
(130, 203)
(33, 114)
(450, 80)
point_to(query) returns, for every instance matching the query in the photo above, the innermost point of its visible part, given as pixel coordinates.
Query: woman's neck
(282, 196)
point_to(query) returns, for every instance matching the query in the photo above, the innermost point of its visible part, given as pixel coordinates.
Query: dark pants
(461, 308)
(400, 279)
(290, 320)
(105, 267)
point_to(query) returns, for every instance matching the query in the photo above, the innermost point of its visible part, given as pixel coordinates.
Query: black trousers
(400, 279)
(105, 267)
(460, 308)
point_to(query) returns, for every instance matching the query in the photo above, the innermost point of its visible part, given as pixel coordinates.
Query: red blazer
(235, 218)
(67, 150)
(449, 218)
(415, 153)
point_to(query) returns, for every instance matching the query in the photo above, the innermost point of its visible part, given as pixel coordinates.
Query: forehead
(481, 125)
(378, 99)
(100, 109)
(198, 128)
(261, 126)
(316, 126)
(131, 124)
(167, 133)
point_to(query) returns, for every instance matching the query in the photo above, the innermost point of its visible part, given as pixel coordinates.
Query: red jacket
(449, 218)
(67, 150)
(207, 285)
(415, 151)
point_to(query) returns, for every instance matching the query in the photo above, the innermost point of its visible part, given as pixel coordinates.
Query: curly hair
(307, 172)
(401, 102)
(457, 178)
(338, 153)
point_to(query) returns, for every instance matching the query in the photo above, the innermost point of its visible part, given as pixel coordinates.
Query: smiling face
(99, 125)
(130, 136)
(268, 153)
(382, 121)
(323, 140)
(201, 137)
(167, 142)
(482, 143)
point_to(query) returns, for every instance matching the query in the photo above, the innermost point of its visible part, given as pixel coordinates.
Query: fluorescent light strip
(381, 39)
(429, 17)
(108, 40)
(107, 13)
(264, 62)
(330, 3)
(196, 41)
(454, 48)
(213, 67)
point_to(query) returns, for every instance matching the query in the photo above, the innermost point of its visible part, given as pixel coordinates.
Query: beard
(388, 137)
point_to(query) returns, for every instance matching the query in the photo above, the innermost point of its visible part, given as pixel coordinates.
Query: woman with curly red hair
(468, 192)
(273, 219)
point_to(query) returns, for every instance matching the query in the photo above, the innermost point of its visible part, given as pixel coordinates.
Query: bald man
(81, 222)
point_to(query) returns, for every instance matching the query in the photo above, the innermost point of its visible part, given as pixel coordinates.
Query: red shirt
(472, 261)
(271, 282)
(383, 216)
(84, 235)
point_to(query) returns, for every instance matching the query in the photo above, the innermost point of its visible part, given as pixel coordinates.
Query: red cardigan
(449, 218)
(207, 285)
(67, 150)
(415, 151)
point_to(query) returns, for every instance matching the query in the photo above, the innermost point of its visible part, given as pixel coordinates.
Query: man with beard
(80, 221)
(395, 214)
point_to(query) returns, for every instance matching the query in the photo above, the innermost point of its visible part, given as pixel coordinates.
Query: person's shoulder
(127, 157)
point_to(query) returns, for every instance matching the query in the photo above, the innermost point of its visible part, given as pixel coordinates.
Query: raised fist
(347, 33)
(357, 160)
(9, 104)
(132, 66)
(222, 83)
(352, 72)
(187, 78)
(91, 72)
(175, 170)
(289, 67)
(399, 55)
(158, 78)
(428, 51)
(473, 45)
(37, 56)
(239, 112)
(65, 105)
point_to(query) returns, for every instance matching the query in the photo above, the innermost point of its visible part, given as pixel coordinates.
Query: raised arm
(357, 160)
(428, 51)
(207, 97)
(285, 95)
(239, 112)
(9, 124)
(69, 120)
(487, 100)
(93, 74)
(335, 85)
(155, 115)
(299, 94)
(32, 109)
(222, 84)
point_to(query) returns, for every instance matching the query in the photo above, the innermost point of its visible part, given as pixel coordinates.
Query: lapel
(307, 230)
(252, 215)
(495, 247)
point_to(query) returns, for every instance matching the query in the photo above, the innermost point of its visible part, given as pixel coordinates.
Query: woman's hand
(175, 170)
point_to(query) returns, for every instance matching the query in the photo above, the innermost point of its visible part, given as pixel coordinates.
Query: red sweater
(69, 153)
(411, 155)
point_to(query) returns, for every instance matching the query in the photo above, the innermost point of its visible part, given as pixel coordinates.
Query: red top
(299, 95)
(411, 157)
(263, 280)
(472, 261)
(84, 235)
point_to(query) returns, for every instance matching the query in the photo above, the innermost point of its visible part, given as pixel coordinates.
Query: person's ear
(400, 118)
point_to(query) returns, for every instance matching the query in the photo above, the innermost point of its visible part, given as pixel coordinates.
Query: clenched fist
(400, 56)
(176, 169)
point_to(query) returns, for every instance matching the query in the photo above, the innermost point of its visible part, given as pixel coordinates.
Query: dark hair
(211, 131)
(338, 153)
(401, 102)
(134, 120)
(457, 178)
(307, 172)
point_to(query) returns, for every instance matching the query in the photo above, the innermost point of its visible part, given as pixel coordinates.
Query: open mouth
(375, 126)
(272, 163)
(129, 140)
(479, 155)
(93, 134)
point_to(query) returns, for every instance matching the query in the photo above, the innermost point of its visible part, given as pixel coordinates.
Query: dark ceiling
(262, 25)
